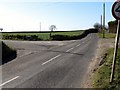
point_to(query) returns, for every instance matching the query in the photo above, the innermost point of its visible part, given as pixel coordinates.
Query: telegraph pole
(104, 20)
(101, 23)
(40, 26)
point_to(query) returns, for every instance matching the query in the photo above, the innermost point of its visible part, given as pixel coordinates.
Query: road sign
(116, 10)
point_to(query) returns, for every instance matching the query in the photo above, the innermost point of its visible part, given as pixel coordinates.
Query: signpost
(116, 14)
(1, 57)
(1, 33)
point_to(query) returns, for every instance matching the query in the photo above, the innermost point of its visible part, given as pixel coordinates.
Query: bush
(21, 37)
(60, 37)
(66, 37)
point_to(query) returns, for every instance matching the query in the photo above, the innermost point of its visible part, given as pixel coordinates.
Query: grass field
(102, 75)
(45, 35)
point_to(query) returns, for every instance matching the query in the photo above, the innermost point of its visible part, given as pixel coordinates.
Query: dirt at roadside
(103, 45)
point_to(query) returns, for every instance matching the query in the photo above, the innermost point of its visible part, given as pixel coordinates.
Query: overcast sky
(26, 16)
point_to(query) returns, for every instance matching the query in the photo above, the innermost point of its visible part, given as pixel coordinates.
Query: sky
(29, 16)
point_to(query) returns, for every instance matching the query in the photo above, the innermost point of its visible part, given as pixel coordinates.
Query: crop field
(42, 35)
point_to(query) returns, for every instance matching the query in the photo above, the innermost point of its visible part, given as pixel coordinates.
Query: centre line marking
(78, 45)
(9, 81)
(51, 59)
(69, 49)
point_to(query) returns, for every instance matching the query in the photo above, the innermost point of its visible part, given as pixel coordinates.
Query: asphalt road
(49, 64)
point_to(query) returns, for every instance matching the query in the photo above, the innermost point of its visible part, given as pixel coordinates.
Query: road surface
(49, 64)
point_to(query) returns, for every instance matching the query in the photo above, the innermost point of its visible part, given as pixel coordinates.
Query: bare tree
(52, 27)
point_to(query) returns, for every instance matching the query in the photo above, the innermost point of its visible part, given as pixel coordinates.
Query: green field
(102, 75)
(44, 35)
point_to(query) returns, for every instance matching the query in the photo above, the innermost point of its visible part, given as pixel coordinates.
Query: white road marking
(51, 59)
(9, 81)
(78, 45)
(69, 49)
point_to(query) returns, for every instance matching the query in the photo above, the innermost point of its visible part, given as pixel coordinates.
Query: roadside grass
(44, 35)
(102, 75)
(107, 35)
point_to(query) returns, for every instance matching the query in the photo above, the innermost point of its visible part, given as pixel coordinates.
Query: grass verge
(107, 35)
(102, 75)
(8, 53)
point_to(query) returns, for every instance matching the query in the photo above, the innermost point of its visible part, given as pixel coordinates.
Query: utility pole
(101, 24)
(104, 20)
(40, 26)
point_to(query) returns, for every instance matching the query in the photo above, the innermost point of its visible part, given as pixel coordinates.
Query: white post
(1, 57)
(1, 34)
(115, 51)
